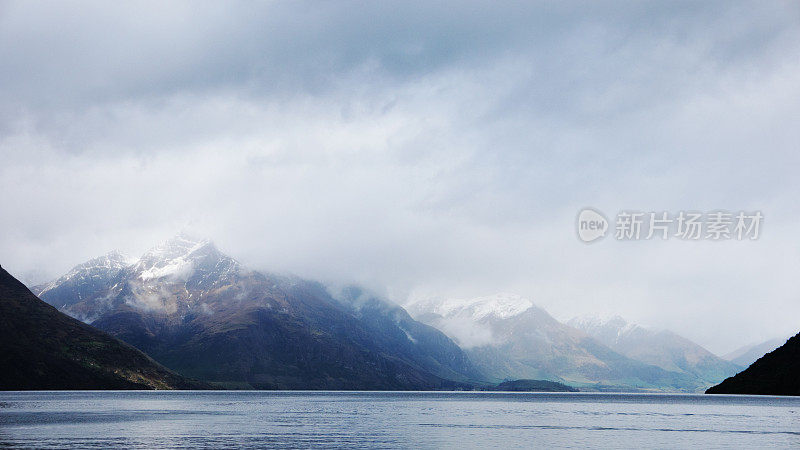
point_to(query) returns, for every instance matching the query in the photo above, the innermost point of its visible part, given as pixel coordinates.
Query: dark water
(393, 419)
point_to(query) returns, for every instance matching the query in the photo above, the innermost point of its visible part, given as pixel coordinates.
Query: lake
(225, 419)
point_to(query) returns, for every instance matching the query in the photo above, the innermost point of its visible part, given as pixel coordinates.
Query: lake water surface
(225, 419)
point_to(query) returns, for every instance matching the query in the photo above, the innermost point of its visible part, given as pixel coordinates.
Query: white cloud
(415, 148)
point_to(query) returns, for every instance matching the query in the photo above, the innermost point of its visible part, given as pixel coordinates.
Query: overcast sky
(419, 148)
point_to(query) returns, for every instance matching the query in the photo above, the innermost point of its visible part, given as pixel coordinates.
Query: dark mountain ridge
(776, 373)
(41, 348)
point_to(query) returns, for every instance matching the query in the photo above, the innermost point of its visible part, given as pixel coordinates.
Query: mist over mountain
(509, 337)
(41, 348)
(203, 314)
(661, 348)
(412, 340)
(746, 355)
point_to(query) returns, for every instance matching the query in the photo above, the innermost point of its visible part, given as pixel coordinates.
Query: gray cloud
(418, 148)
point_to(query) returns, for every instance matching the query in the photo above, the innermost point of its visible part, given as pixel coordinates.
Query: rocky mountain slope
(41, 348)
(201, 313)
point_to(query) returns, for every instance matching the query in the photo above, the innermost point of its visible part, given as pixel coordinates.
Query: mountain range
(41, 348)
(204, 315)
(661, 348)
(201, 313)
(508, 337)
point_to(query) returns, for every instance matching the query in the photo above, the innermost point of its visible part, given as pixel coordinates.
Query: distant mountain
(201, 313)
(748, 354)
(661, 348)
(41, 348)
(508, 337)
(776, 373)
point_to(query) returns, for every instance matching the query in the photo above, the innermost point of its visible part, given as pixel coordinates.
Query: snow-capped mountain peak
(175, 257)
(96, 268)
(111, 260)
(186, 259)
(598, 320)
(500, 306)
(174, 275)
(606, 325)
(176, 247)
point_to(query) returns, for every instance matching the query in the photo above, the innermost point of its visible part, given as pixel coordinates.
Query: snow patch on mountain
(613, 324)
(408, 335)
(173, 258)
(501, 306)
(94, 269)
(178, 268)
(467, 321)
